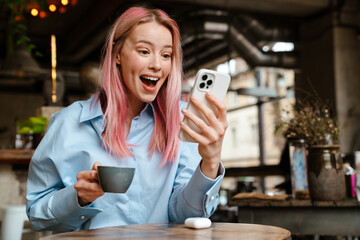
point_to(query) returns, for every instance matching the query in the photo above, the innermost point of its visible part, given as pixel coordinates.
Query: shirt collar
(91, 109)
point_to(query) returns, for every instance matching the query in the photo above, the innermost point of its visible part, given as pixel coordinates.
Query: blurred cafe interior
(295, 74)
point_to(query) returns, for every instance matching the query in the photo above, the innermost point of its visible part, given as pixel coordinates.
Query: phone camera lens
(202, 85)
(209, 82)
(204, 77)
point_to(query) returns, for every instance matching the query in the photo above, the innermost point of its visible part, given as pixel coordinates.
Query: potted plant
(30, 131)
(313, 121)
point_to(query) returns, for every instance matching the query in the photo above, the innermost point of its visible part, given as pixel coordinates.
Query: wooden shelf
(266, 170)
(16, 156)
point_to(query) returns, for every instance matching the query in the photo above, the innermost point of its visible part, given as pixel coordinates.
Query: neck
(135, 108)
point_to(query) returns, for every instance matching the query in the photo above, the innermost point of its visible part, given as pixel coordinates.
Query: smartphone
(205, 81)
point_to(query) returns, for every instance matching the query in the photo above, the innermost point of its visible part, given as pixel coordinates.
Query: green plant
(36, 125)
(16, 26)
(312, 121)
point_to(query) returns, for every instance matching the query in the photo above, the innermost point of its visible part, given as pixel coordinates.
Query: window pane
(241, 141)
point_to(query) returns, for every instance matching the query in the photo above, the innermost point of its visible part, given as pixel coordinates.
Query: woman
(132, 121)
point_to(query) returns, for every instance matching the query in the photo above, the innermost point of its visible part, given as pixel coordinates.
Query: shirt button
(212, 198)
(82, 217)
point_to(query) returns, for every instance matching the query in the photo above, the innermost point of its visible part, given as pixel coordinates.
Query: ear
(117, 60)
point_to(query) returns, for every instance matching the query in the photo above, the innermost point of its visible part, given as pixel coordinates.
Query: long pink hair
(113, 95)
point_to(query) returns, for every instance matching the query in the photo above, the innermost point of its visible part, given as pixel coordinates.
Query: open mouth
(149, 81)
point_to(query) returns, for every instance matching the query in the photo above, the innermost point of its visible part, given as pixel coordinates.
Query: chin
(148, 99)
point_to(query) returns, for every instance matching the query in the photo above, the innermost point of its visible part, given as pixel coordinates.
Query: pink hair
(113, 96)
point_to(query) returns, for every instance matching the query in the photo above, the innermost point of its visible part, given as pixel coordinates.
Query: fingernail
(194, 99)
(184, 110)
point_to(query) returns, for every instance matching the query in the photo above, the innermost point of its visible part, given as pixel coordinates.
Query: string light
(34, 12)
(52, 7)
(53, 68)
(42, 14)
(62, 10)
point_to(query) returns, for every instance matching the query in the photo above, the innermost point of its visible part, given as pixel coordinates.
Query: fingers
(201, 139)
(217, 125)
(91, 174)
(208, 112)
(221, 124)
(87, 185)
(88, 175)
(218, 104)
(94, 168)
(96, 164)
(88, 188)
(87, 191)
(207, 131)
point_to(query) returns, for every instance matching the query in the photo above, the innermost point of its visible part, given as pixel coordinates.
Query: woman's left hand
(210, 141)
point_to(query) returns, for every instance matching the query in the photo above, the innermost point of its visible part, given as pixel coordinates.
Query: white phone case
(206, 81)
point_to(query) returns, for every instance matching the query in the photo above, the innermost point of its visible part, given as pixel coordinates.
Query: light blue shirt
(157, 194)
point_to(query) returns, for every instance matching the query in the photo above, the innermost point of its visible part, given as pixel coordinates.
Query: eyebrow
(150, 43)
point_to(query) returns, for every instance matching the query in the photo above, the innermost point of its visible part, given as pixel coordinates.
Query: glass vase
(298, 163)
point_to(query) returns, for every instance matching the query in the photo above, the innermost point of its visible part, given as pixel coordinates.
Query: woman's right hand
(87, 186)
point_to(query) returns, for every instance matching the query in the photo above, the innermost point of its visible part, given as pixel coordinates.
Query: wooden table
(221, 231)
(303, 217)
(16, 156)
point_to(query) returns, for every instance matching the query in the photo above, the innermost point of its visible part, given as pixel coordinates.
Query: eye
(166, 56)
(143, 51)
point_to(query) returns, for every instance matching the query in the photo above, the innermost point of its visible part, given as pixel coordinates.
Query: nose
(155, 63)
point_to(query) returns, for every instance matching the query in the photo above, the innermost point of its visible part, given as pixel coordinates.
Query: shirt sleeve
(194, 194)
(51, 201)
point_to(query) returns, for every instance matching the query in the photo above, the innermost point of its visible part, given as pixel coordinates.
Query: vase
(298, 166)
(325, 173)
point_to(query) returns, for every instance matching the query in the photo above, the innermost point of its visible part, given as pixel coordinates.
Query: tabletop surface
(16, 156)
(294, 203)
(179, 231)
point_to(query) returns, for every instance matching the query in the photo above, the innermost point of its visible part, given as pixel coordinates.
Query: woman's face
(145, 62)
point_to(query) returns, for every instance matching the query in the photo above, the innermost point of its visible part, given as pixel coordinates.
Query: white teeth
(151, 78)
